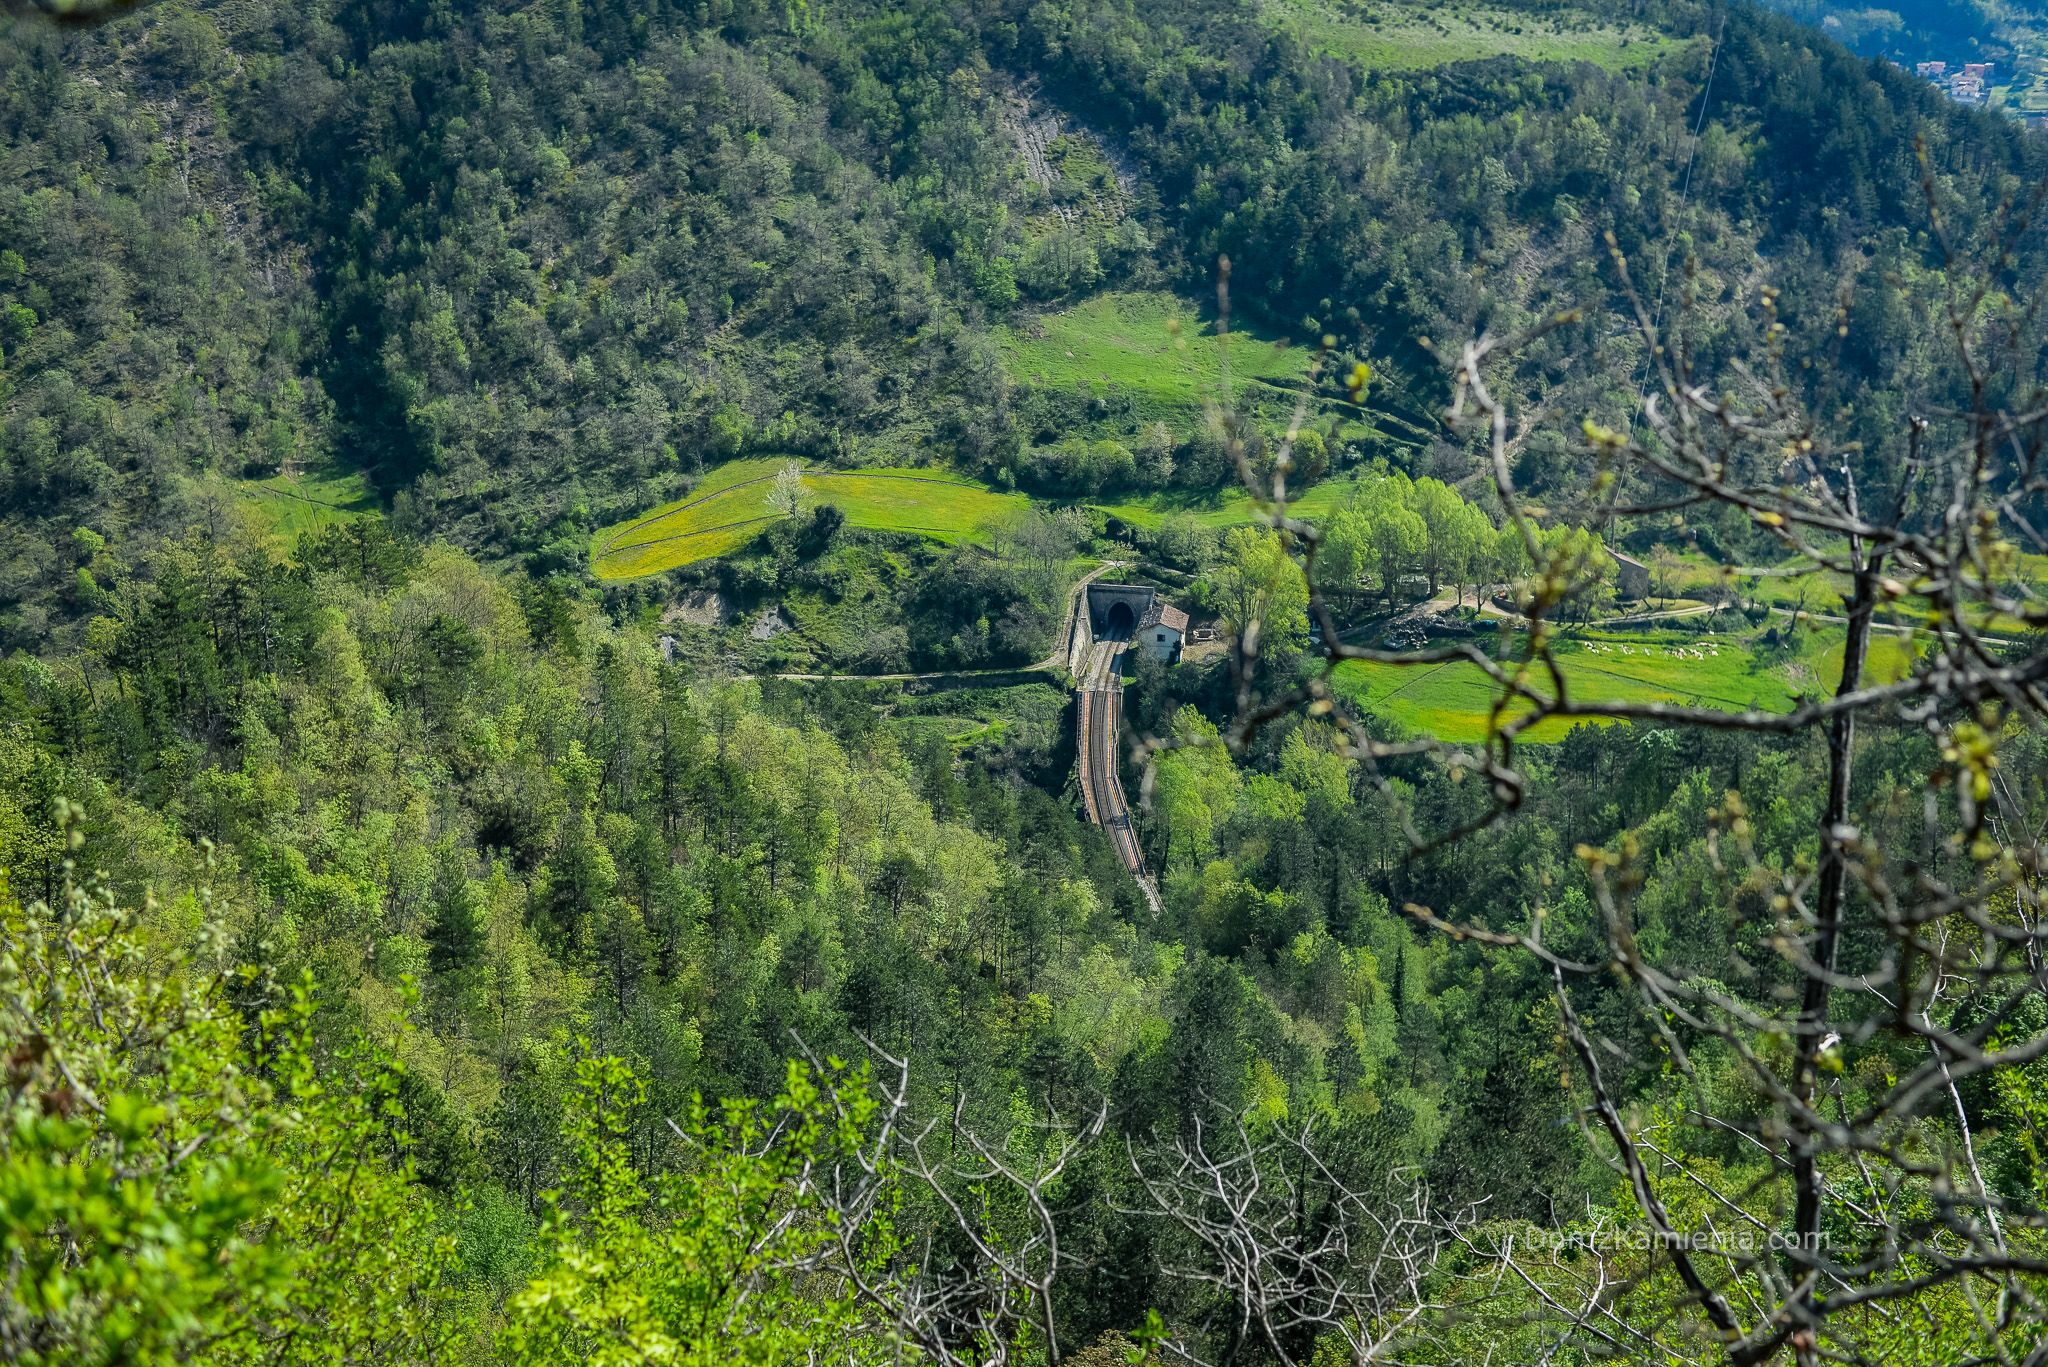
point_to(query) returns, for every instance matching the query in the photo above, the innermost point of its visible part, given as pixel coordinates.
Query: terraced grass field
(1232, 508)
(1393, 37)
(730, 508)
(1127, 340)
(1452, 701)
(289, 507)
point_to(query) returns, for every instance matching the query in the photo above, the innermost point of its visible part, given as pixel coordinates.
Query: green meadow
(1391, 37)
(1796, 583)
(934, 503)
(289, 506)
(970, 716)
(1453, 701)
(1231, 508)
(981, 726)
(730, 508)
(1128, 340)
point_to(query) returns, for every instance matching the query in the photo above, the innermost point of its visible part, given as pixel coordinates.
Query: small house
(1632, 576)
(1160, 630)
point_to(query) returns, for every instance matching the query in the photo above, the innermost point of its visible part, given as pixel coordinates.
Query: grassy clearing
(1890, 659)
(1820, 591)
(1126, 340)
(969, 718)
(730, 508)
(938, 505)
(1452, 701)
(958, 732)
(288, 507)
(1393, 37)
(1232, 507)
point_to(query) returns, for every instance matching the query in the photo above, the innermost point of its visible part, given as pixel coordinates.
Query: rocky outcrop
(1034, 124)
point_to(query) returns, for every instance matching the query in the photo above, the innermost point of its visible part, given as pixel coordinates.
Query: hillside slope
(513, 275)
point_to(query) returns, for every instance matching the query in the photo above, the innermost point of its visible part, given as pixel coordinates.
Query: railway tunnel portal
(1114, 608)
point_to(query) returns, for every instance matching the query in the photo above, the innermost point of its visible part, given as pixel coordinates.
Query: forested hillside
(531, 272)
(541, 556)
(386, 777)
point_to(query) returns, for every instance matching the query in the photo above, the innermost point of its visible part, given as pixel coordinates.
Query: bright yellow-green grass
(1397, 37)
(1822, 591)
(289, 507)
(730, 508)
(1889, 660)
(940, 505)
(1452, 701)
(961, 732)
(1234, 507)
(1127, 340)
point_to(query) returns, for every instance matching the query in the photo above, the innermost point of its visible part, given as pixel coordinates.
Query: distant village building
(1971, 85)
(1632, 576)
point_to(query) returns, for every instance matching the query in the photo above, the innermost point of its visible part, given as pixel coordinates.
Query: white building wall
(1162, 640)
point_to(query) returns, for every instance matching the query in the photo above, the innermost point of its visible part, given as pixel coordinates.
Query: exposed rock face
(704, 608)
(1436, 624)
(1034, 124)
(1412, 630)
(770, 624)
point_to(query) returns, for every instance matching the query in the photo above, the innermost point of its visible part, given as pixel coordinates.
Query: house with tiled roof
(1160, 630)
(1632, 576)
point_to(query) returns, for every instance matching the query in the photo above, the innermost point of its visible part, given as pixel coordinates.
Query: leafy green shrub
(729, 1261)
(181, 1184)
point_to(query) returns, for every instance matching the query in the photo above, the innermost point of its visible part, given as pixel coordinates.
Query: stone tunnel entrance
(1117, 607)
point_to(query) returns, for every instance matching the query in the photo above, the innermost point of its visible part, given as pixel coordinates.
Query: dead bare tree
(1291, 1253)
(1275, 1248)
(1871, 1207)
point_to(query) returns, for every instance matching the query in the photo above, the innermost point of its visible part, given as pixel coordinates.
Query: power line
(1684, 194)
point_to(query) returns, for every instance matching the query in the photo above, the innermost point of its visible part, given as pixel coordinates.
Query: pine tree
(576, 888)
(455, 931)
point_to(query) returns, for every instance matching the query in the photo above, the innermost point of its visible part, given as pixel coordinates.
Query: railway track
(1102, 792)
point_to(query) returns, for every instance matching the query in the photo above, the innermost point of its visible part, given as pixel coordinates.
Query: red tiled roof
(1163, 614)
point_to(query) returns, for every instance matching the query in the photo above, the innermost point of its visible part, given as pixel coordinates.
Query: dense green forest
(531, 846)
(529, 272)
(417, 946)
